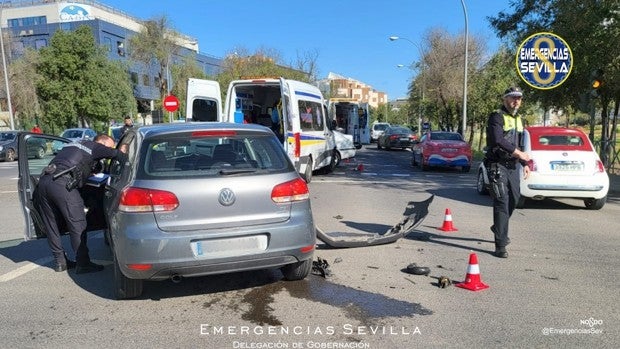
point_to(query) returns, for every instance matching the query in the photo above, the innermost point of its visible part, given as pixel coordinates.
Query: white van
(293, 110)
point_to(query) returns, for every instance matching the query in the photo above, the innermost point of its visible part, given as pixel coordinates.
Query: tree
(487, 86)
(79, 85)
(154, 46)
(442, 69)
(588, 26)
(240, 64)
(181, 73)
(23, 80)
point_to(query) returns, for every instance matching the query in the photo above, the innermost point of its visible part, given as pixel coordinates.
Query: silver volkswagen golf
(194, 199)
(206, 198)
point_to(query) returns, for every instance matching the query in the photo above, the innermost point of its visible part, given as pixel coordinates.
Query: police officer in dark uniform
(128, 124)
(504, 136)
(57, 198)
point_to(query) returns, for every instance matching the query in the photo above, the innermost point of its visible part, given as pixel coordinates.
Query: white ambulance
(293, 110)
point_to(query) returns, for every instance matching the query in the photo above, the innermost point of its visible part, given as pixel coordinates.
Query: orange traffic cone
(447, 222)
(472, 279)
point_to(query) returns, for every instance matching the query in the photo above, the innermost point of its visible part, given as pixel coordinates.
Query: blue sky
(350, 36)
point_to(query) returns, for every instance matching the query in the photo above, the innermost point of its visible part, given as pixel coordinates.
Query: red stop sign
(171, 103)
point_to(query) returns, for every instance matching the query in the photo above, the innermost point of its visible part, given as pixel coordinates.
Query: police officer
(127, 124)
(58, 199)
(504, 133)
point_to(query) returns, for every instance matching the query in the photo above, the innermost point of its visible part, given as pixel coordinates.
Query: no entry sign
(171, 103)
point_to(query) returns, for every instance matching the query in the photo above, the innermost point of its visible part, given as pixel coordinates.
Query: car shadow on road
(33, 251)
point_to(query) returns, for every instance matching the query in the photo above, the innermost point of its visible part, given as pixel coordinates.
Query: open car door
(34, 154)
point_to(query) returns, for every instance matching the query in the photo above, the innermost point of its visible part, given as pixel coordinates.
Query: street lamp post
(464, 120)
(394, 38)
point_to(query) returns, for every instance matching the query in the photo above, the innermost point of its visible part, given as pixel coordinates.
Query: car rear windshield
(446, 136)
(204, 154)
(72, 134)
(560, 142)
(7, 136)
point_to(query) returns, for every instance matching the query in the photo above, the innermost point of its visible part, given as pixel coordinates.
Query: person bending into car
(57, 198)
(504, 133)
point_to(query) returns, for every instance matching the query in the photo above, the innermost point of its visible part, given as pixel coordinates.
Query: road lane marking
(25, 269)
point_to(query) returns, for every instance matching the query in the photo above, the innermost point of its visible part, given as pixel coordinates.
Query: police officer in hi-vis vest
(504, 137)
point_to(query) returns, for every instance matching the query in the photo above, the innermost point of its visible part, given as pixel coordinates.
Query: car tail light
(532, 165)
(394, 137)
(295, 190)
(599, 166)
(147, 200)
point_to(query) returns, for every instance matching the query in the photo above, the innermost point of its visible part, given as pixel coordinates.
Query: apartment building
(336, 85)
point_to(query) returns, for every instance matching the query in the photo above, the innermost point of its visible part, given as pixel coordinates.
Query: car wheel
(481, 186)
(297, 271)
(125, 287)
(10, 155)
(337, 158)
(378, 144)
(595, 204)
(465, 169)
(40, 153)
(413, 162)
(521, 202)
(307, 176)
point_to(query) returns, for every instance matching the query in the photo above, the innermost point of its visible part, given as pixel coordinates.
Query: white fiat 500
(564, 165)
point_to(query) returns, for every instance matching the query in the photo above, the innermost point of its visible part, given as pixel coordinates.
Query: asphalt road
(558, 288)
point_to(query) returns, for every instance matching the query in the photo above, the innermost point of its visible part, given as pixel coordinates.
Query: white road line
(24, 269)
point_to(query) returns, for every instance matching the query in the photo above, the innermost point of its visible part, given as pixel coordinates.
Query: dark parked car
(8, 146)
(203, 198)
(442, 149)
(75, 135)
(396, 137)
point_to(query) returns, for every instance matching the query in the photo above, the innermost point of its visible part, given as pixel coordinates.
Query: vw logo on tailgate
(227, 197)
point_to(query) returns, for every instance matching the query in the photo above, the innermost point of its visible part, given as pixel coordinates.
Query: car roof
(157, 129)
(538, 133)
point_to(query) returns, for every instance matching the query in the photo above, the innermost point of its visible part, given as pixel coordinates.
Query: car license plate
(404, 139)
(567, 166)
(449, 150)
(229, 246)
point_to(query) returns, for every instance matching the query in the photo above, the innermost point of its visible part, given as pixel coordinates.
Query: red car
(441, 149)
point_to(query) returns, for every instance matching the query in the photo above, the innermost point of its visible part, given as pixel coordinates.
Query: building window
(134, 78)
(40, 43)
(18, 48)
(120, 48)
(157, 81)
(145, 80)
(107, 42)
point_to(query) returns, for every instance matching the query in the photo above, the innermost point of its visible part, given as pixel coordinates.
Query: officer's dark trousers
(60, 207)
(504, 206)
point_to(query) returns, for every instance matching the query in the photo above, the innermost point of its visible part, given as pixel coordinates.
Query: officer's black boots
(63, 265)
